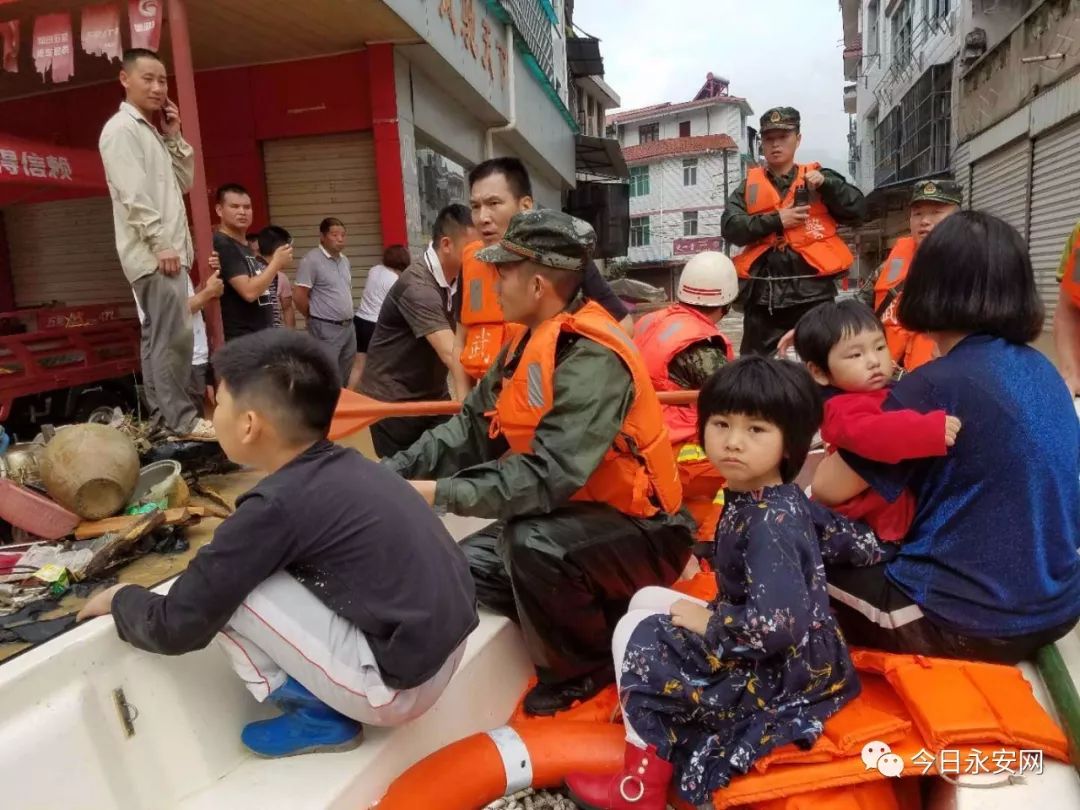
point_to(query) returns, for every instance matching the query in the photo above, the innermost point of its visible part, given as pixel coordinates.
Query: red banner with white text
(32, 163)
(145, 18)
(101, 31)
(53, 51)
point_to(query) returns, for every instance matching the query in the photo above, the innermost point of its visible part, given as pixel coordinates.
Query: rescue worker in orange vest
(785, 217)
(1067, 314)
(498, 189)
(563, 443)
(931, 202)
(683, 347)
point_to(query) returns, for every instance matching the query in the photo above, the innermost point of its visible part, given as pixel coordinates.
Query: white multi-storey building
(684, 159)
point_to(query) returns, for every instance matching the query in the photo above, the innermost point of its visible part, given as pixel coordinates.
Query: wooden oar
(357, 411)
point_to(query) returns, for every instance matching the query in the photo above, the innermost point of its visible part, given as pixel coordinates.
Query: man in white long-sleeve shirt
(148, 171)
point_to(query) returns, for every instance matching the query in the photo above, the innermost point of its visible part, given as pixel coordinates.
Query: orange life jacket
(638, 475)
(486, 331)
(815, 240)
(660, 336)
(894, 271)
(1070, 281)
(909, 349)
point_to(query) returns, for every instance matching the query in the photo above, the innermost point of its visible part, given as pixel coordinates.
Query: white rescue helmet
(708, 280)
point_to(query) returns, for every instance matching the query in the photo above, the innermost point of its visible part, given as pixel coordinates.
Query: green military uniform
(937, 190)
(592, 557)
(783, 286)
(691, 367)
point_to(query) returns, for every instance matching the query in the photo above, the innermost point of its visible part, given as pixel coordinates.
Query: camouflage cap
(780, 118)
(545, 236)
(941, 190)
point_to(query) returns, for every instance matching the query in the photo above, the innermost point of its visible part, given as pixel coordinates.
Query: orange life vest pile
(913, 704)
(660, 336)
(909, 349)
(815, 239)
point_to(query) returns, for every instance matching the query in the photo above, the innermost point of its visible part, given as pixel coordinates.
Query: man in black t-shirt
(247, 305)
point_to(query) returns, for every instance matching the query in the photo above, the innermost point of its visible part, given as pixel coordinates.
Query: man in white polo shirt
(323, 292)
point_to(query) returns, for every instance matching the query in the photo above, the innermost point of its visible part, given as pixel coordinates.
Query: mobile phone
(802, 196)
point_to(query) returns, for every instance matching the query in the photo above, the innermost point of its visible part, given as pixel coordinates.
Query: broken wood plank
(120, 524)
(115, 544)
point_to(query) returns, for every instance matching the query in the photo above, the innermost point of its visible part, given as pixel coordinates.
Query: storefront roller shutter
(1055, 205)
(962, 170)
(65, 252)
(999, 184)
(310, 178)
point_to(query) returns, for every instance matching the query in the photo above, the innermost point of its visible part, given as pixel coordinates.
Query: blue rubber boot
(307, 726)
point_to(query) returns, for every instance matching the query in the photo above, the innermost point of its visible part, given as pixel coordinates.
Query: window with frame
(689, 223)
(902, 25)
(639, 181)
(684, 129)
(649, 132)
(689, 172)
(639, 232)
(936, 9)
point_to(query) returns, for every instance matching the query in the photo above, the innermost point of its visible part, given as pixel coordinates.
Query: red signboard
(688, 247)
(42, 164)
(52, 47)
(101, 31)
(145, 19)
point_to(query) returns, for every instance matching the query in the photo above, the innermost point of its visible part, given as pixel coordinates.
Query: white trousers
(283, 629)
(647, 602)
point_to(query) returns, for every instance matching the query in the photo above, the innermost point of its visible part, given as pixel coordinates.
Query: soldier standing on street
(931, 202)
(785, 218)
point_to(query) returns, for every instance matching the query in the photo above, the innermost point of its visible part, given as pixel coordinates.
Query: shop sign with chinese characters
(33, 163)
(477, 35)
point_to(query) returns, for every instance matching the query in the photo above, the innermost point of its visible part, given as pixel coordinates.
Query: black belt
(327, 320)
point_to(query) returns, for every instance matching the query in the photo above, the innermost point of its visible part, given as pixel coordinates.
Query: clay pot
(90, 469)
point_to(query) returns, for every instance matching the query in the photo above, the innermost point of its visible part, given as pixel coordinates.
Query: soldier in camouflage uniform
(683, 346)
(781, 285)
(564, 569)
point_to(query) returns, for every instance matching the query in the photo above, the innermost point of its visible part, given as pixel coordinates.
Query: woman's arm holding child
(845, 542)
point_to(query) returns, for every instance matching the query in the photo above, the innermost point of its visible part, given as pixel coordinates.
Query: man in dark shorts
(412, 350)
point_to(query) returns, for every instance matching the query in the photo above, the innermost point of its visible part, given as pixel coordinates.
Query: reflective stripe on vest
(894, 271)
(815, 240)
(639, 475)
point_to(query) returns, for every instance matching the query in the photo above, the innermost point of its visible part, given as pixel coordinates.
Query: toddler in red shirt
(844, 348)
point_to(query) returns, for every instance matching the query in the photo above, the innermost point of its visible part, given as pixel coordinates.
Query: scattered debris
(117, 544)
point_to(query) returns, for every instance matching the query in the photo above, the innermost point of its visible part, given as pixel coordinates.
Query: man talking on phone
(149, 167)
(784, 217)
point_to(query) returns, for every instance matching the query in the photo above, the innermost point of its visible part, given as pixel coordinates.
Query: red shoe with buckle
(642, 784)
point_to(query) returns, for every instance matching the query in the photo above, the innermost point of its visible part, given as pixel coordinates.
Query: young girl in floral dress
(707, 689)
